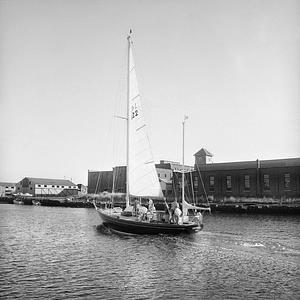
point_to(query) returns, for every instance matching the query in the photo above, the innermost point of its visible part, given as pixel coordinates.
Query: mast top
(185, 118)
(129, 35)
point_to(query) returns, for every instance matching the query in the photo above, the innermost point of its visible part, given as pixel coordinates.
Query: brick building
(99, 181)
(278, 179)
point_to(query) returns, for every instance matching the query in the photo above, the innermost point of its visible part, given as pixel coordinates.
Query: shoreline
(233, 207)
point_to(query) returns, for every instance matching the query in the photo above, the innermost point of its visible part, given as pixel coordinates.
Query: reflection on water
(63, 253)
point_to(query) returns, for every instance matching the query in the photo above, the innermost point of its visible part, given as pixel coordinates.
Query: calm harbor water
(63, 253)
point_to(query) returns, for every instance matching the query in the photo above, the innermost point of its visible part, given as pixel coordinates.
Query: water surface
(63, 253)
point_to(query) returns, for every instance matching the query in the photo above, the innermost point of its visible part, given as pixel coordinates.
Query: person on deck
(142, 212)
(174, 205)
(151, 210)
(135, 207)
(177, 214)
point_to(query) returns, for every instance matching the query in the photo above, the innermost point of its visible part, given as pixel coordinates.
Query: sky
(232, 66)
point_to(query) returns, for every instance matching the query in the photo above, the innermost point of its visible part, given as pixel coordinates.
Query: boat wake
(101, 228)
(105, 230)
(252, 245)
(271, 247)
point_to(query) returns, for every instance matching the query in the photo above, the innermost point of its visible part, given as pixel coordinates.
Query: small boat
(141, 177)
(36, 202)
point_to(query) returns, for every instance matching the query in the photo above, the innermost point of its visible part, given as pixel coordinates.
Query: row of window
(70, 187)
(163, 175)
(57, 186)
(159, 175)
(266, 182)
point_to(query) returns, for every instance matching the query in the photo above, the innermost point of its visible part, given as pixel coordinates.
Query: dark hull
(128, 225)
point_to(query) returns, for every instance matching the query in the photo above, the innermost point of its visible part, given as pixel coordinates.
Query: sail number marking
(134, 111)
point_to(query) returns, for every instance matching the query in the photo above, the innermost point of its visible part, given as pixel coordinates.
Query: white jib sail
(186, 206)
(143, 179)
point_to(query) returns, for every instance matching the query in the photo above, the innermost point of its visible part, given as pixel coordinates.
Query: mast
(183, 123)
(127, 137)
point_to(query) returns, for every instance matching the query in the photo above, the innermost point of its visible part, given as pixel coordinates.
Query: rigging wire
(118, 134)
(97, 183)
(110, 134)
(192, 186)
(202, 183)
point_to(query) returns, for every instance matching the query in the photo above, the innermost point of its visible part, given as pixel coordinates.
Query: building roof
(163, 166)
(163, 161)
(173, 166)
(7, 184)
(203, 152)
(288, 162)
(50, 181)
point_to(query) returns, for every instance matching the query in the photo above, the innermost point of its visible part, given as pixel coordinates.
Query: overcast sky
(232, 66)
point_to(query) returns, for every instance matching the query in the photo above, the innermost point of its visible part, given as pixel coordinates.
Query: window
(57, 186)
(70, 187)
(266, 182)
(53, 186)
(196, 182)
(45, 185)
(211, 183)
(39, 185)
(228, 183)
(165, 175)
(247, 182)
(31, 188)
(287, 181)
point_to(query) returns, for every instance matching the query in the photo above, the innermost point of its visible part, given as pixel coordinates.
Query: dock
(236, 207)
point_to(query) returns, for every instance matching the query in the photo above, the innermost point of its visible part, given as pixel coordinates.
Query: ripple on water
(59, 253)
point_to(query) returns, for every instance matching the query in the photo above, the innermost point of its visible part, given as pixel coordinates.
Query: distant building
(46, 187)
(82, 189)
(276, 179)
(174, 165)
(119, 179)
(203, 157)
(165, 175)
(99, 181)
(115, 180)
(7, 189)
(165, 171)
(107, 181)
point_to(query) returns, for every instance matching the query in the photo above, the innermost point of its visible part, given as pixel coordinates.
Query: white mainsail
(142, 176)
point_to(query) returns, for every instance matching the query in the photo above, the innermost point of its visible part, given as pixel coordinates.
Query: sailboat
(141, 177)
